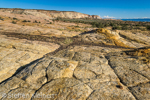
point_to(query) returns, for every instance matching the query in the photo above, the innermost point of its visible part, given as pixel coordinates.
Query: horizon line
(80, 12)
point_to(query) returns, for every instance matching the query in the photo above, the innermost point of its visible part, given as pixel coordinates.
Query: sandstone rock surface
(43, 62)
(15, 54)
(62, 78)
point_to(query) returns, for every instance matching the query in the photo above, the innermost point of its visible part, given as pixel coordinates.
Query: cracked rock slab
(110, 92)
(19, 94)
(60, 68)
(47, 69)
(16, 53)
(129, 70)
(64, 89)
(74, 77)
(142, 91)
(9, 85)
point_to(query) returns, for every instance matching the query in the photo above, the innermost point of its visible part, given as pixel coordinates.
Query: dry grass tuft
(68, 41)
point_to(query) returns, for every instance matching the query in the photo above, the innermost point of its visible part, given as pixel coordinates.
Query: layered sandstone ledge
(50, 13)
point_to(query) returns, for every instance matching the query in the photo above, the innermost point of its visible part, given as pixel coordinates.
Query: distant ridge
(49, 13)
(37, 9)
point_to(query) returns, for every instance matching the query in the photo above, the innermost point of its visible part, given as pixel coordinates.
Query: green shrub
(93, 25)
(14, 22)
(99, 25)
(1, 19)
(116, 27)
(77, 26)
(24, 21)
(148, 27)
(106, 25)
(125, 28)
(15, 18)
(111, 24)
(35, 21)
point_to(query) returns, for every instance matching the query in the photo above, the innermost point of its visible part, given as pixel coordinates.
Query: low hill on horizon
(49, 13)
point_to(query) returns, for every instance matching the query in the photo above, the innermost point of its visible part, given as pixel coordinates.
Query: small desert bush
(125, 28)
(15, 18)
(61, 29)
(14, 22)
(26, 21)
(116, 27)
(76, 26)
(35, 21)
(115, 24)
(148, 27)
(1, 19)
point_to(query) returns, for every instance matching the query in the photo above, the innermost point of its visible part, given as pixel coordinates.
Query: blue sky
(104, 8)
